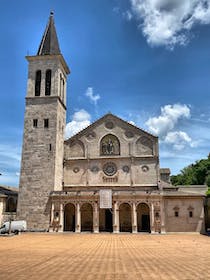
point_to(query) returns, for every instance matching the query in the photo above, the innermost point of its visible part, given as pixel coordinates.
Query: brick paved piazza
(104, 256)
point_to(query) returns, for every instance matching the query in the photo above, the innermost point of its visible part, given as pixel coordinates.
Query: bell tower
(44, 123)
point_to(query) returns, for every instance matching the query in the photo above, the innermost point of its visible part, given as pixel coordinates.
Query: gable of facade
(111, 151)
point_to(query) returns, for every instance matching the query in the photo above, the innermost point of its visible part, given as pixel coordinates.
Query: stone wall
(183, 222)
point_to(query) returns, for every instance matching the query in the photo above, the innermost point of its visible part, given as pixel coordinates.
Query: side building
(105, 178)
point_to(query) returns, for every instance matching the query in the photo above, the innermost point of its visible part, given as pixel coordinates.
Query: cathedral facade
(105, 178)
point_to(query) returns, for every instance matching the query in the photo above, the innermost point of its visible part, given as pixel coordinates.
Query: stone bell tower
(43, 142)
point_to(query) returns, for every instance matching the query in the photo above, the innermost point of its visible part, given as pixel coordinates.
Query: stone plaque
(105, 199)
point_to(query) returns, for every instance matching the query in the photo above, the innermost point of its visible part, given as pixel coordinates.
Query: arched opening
(110, 145)
(38, 82)
(48, 82)
(143, 217)
(86, 217)
(105, 220)
(125, 217)
(69, 217)
(144, 146)
(11, 204)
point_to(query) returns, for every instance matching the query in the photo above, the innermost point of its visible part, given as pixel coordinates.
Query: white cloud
(178, 139)
(170, 115)
(93, 98)
(168, 22)
(80, 120)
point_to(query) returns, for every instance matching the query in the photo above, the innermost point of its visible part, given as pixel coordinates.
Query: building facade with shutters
(105, 178)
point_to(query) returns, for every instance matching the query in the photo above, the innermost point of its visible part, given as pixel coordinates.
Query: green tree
(194, 174)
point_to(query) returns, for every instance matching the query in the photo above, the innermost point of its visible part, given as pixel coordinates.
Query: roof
(6, 190)
(107, 116)
(49, 44)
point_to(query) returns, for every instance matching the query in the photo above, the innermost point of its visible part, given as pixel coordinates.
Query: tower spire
(49, 44)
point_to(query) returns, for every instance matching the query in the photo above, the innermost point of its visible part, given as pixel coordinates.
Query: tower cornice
(48, 57)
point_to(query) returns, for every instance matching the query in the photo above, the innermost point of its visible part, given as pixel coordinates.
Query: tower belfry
(45, 119)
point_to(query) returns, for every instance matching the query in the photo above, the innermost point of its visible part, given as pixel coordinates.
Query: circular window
(126, 169)
(109, 125)
(109, 168)
(95, 169)
(76, 169)
(145, 168)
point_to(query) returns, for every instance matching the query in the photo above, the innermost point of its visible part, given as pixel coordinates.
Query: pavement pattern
(104, 256)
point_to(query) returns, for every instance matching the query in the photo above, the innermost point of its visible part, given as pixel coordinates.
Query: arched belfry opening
(109, 145)
(143, 217)
(69, 217)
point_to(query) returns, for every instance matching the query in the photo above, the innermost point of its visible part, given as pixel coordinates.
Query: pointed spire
(49, 44)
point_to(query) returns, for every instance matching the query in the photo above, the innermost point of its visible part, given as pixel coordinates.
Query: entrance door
(105, 220)
(125, 217)
(143, 217)
(108, 220)
(86, 217)
(145, 226)
(69, 217)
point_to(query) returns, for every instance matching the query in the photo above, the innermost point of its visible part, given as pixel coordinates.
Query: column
(78, 219)
(116, 218)
(61, 218)
(96, 218)
(152, 218)
(52, 216)
(134, 218)
(163, 230)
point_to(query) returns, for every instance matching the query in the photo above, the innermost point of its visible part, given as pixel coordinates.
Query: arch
(125, 217)
(144, 146)
(143, 217)
(69, 217)
(109, 145)
(76, 149)
(48, 82)
(38, 79)
(86, 217)
(11, 204)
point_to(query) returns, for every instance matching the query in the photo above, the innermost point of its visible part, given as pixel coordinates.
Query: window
(46, 123)
(38, 82)
(35, 122)
(190, 214)
(48, 82)
(50, 147)
(109, 145)
(176, 214)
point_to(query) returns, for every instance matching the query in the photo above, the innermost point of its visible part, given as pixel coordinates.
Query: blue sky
(146, 61)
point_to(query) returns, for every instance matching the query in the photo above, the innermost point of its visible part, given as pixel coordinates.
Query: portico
(82, 213)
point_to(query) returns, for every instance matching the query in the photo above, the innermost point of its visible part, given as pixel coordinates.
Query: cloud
(93, 98)
(80, 120)
(168, 22)
(165, 126)
(179, 140)
(169, 117)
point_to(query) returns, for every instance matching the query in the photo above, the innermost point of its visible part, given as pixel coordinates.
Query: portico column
(52, 216)
(61, 218)
(96, 218)
(116, 218)
(78, 219)
(152, 218)
(134, 218)
(163, 230)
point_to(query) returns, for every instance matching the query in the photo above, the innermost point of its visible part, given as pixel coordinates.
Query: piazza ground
(104, 256)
